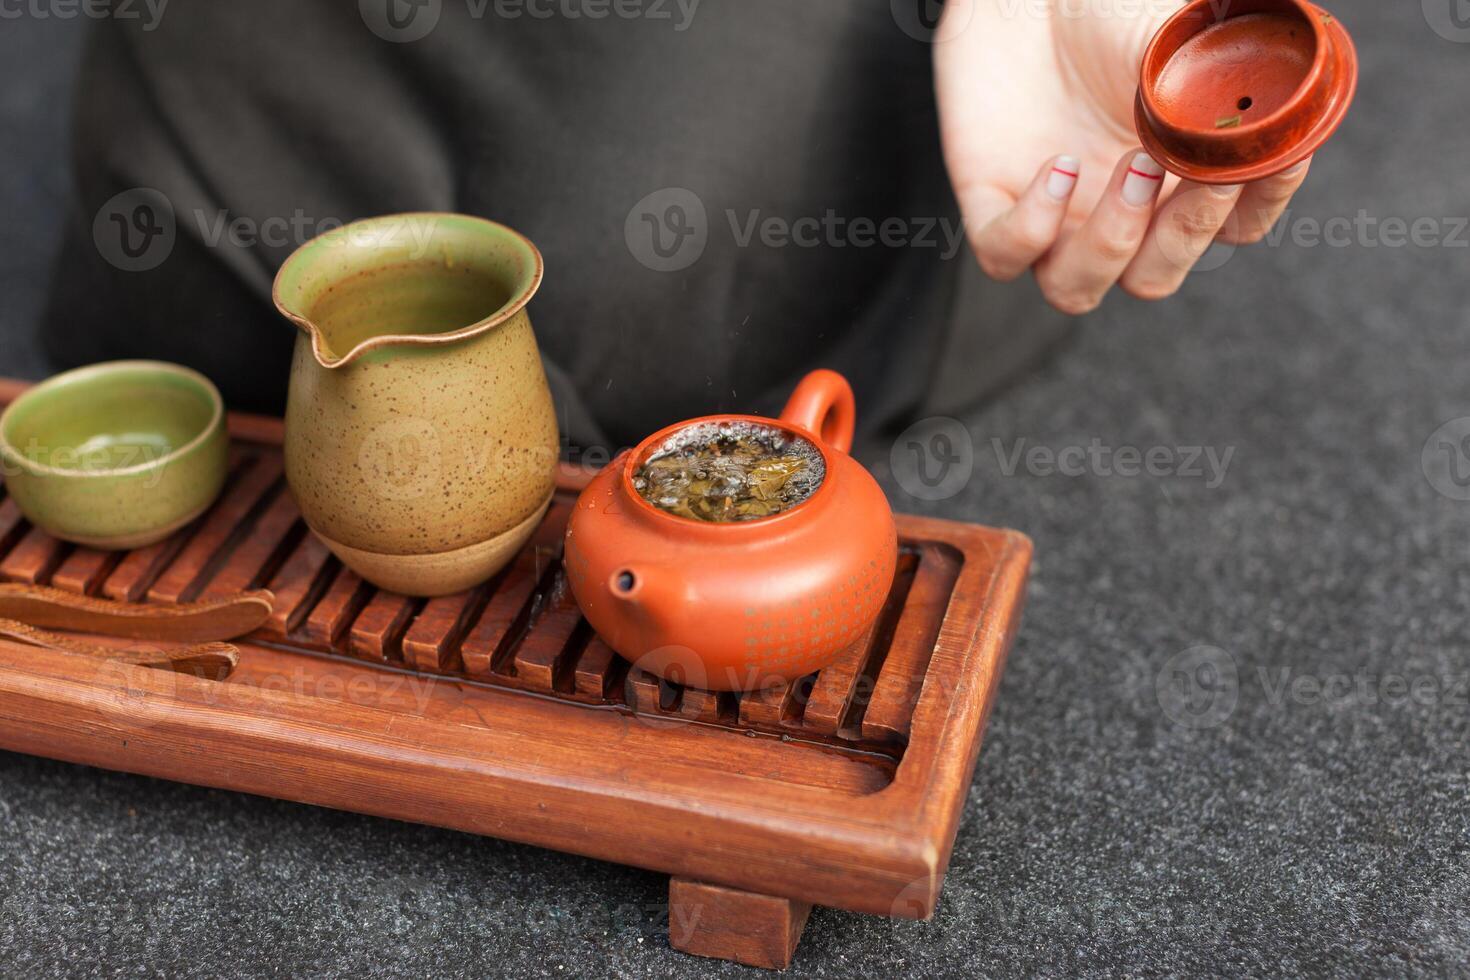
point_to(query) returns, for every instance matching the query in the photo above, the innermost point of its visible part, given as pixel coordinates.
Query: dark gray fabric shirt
(727, 194)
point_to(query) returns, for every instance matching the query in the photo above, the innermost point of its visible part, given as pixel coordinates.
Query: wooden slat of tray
(12, 526)
(329, 619)
(257, 557)
(434, 635)
(33, 558)
(308, 563)
(84, 569)
(906, 661)
(377, 633)
(597, 670)
(897, 719)
(232, 517)
(489, 644)
(846, 684)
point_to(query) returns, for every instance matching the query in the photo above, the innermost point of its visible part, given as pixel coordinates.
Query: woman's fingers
(1125, 240)
(1077, 273)
(1182, 229)
(1261, 205)
(1008, 243)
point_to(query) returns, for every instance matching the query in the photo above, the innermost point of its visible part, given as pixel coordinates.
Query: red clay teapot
(745, 604)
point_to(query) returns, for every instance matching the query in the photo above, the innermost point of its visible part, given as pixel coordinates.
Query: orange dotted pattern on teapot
(787, 635)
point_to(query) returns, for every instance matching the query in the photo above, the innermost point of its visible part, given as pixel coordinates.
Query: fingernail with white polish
(1143, 181)
(1063, 177)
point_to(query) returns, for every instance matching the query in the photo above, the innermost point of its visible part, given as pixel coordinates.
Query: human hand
(1036, 114)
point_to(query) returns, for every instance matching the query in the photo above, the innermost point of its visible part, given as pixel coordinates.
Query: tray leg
(730, 924)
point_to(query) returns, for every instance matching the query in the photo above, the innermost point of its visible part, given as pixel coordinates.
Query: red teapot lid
(1237, 90)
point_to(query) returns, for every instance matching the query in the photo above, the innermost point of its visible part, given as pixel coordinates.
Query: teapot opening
(729, 470)
(410, 279)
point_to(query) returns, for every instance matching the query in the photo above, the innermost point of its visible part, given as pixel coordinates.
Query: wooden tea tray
(498, 712)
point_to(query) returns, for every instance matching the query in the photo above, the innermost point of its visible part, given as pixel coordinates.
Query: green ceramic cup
(115, 455)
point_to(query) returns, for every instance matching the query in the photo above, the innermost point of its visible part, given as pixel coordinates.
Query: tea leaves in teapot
(722, 472)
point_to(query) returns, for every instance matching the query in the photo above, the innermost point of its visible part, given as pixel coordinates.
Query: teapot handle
(823, 403)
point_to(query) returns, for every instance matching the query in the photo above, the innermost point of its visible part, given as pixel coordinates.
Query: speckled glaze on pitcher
(421, 442)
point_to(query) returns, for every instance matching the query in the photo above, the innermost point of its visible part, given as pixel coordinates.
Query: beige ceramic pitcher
(421, 442)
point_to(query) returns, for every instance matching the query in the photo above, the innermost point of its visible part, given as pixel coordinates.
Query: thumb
(1101, 46)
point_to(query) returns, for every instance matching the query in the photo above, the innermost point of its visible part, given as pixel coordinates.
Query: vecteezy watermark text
(1193, 244)
(406, 21)
(282, 231)
(940, 21)
(150, 12)
(1201, 687)
(87, 458)
(669, 229)
(934, 459)
(832, 230)
(136, 230)
(1206, 463)
(1364, 230)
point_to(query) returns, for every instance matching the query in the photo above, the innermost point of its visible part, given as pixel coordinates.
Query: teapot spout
(637, 591)
(653, 600)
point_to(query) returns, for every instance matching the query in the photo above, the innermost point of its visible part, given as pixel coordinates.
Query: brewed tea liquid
(724, 472)
(424, 297)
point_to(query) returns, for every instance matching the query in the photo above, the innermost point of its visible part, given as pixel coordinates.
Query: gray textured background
(1296, 832)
